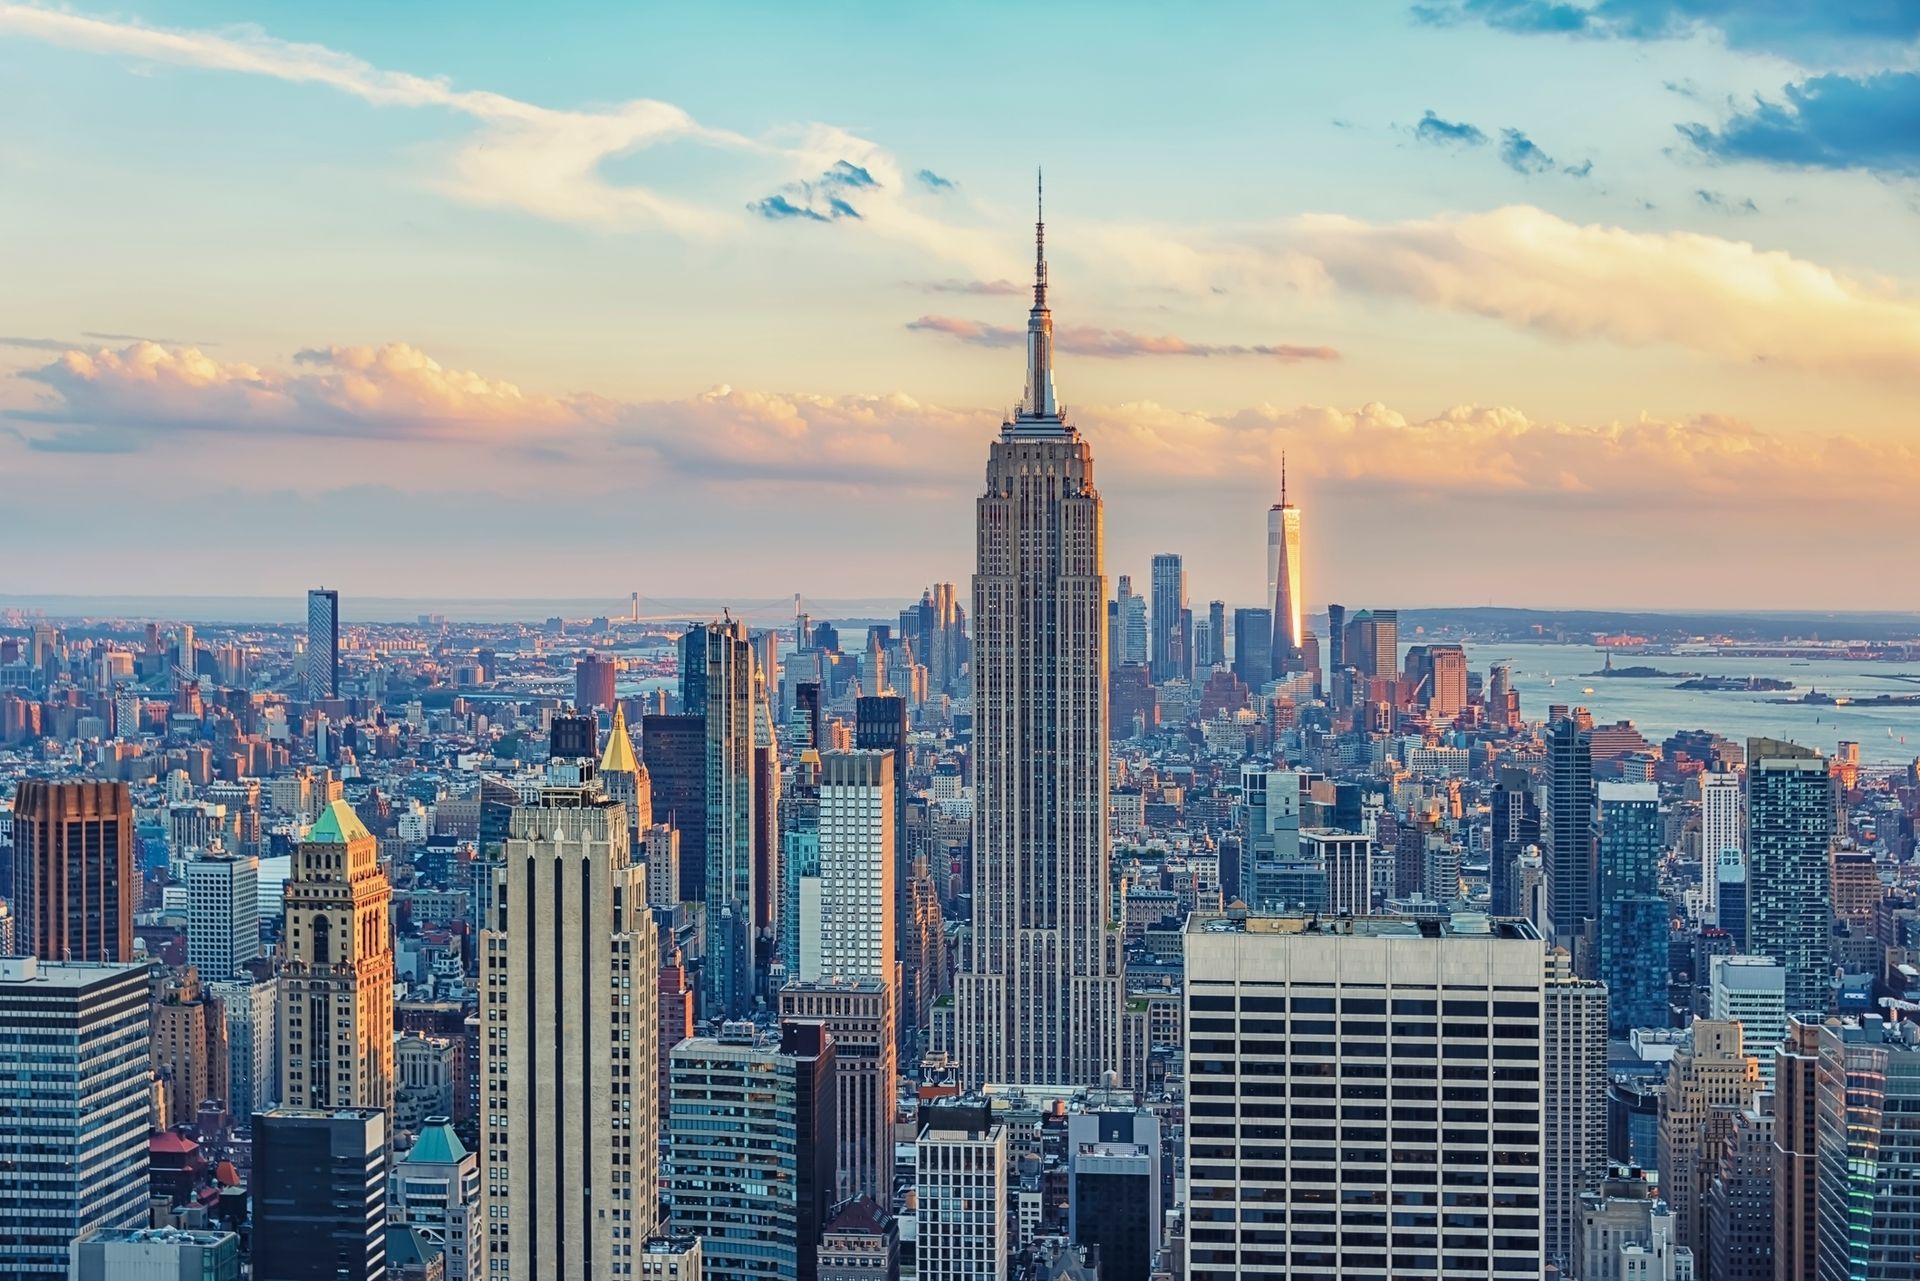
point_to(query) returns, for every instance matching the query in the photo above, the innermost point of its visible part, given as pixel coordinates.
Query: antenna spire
(1283, 478)
(1040, 401)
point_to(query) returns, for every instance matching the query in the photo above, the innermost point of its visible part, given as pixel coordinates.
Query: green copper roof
(437, 1145)
(338, 825)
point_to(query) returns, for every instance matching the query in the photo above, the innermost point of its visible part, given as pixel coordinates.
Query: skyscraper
(223, 915)
(1752, 991)
(961, 1176)
(1631, 924)
(1516, 825)
(1216, 655)
(1575, 1119)
(73, 1057)
(1789, 893)
(1709, 1083)
(1425, 1037)
(1569, 827)
(1283, 580)
(717, 684)
(323, 644)
(320, 1195)
(593, 682)
(569, 1064)
(73, 877)
(751, 1172)
(676, 756)
(1252, 641)
(854, 992)
(1170, 657)
(1133, 623)
(336, 978)
(1041, 1001)
(880, 725)
(1720, 821)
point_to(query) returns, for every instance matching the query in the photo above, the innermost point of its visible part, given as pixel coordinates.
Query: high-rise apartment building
(1042, 996)
(1283, 582)
(223, 915)
(962, 1175)
(717, 684)
(1575, 1116)
(75, 1076)
(1569, 827)
(336, 972)
(320, 1195)
(1709, 1083)
(436, 1192)
(1347, 860)
(568, 1057)
(1408, 1142)
(1170, 658)
(1751, 991)
(753, 1141)
(1789, 895)
(73, 877)
(1722, 810)
(323, 644)
(1632, 921)
(1215, 654)
(1516, 825)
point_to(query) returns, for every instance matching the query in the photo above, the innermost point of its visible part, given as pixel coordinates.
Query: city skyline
(488, 287)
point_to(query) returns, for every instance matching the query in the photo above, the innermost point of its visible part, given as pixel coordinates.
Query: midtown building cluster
(1047, 929)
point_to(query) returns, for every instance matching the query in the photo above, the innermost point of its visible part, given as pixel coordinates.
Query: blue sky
(1519, 286)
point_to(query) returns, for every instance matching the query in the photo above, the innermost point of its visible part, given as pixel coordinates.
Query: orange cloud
(396, 393)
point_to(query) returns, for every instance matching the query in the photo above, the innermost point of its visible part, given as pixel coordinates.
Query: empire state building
(1041, 999)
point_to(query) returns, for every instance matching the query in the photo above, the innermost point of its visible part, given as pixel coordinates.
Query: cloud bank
(1828, 122)
(338, 399)
(1794, 29)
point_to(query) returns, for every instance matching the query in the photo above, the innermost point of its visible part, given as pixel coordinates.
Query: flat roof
(1458, 925)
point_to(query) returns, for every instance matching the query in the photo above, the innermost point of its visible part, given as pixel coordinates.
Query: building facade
(74, 1071)
(336, 975)
(568, 1051)
(73, 880)
(223, 915)
(1040, 1000)
(323, 644)
(1314, 1064)
(1790, 820)
(1575, 1115)
(320, 1195)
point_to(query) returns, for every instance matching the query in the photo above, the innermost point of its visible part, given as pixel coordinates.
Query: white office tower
(1723, 806)
(961, 1183)
(854, 989)
(76, 1080)
(435, 1190)
(856, 865)
(1040, 1001)
(1576, 1099)
(253, 1046)
(223, 915)
(1380, 1080)
(1270, 809)
(1751, 990)
(569, 1061)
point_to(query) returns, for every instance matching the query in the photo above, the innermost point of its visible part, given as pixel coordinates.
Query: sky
(1552, 303)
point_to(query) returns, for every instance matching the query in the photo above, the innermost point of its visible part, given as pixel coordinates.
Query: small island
(1641, 673)
(1751, 684)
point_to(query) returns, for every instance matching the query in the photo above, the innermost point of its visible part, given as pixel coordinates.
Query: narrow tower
(1283, 580)
(1041, 999)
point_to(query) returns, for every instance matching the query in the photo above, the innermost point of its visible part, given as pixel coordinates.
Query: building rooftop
(161, 1236)
(338, 825)
(437, 1144)
(1459, 925)
(62, 974)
